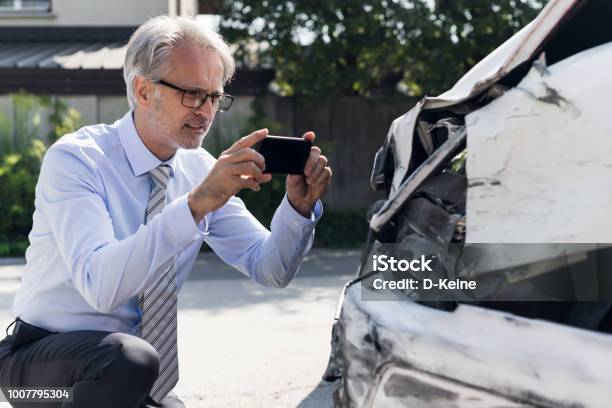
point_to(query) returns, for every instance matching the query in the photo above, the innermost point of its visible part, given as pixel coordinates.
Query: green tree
(353, 47)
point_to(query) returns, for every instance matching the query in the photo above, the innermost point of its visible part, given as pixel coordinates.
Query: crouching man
(121, 213)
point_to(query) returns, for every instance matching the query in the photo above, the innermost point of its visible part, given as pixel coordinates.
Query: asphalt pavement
(244, 345)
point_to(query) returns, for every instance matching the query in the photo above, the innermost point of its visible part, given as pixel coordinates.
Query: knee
(135, 359)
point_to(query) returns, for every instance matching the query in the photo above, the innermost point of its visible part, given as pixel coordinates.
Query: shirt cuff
(179, 221)
(293, 218)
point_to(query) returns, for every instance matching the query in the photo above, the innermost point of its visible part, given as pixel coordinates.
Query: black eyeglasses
(194, 99)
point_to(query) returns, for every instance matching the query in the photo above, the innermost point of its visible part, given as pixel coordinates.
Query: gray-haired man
(121, 212)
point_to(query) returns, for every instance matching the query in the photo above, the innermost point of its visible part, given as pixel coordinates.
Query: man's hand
(303, 191)
(238, 167)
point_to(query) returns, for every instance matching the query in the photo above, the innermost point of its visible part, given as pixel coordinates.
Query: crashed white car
(518, 151)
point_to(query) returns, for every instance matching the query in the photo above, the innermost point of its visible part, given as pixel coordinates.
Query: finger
(248, 141)
(324, 178)
(313, 157)
(316, 172)
(263, 178)
(310, 136)
(249, 182)
(246, 169)
(247, 154)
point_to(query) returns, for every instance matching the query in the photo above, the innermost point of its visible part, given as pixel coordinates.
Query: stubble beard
(178, 138)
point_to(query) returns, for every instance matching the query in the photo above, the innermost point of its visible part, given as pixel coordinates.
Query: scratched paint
(540, 157)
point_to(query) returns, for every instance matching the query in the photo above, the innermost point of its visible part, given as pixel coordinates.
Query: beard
(179, 136)
(185, 141)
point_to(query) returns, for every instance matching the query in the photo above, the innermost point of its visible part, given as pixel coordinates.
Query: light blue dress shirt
(91, 254)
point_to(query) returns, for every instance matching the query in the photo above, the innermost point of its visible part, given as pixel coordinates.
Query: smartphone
(284, 155)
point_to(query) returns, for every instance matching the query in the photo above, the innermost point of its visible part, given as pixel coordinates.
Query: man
(121, 213)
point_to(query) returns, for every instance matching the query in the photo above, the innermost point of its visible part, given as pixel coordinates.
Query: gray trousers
(103, 369)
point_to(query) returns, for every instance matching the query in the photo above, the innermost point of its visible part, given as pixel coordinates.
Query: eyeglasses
(194, 99)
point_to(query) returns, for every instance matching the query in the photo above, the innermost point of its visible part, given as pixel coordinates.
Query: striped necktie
(159, 303)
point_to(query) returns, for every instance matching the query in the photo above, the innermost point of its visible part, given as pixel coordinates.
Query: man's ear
(143, 91)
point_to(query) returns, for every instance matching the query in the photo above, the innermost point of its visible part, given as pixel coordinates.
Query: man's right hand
(238, 167)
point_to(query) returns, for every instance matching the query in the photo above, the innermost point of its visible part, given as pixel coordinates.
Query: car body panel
(522, 360)
(416, 389)
(558, 116)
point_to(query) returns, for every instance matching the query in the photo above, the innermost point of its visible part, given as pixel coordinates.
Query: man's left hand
(304, 190)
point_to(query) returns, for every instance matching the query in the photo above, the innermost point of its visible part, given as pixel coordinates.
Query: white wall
(92, 12)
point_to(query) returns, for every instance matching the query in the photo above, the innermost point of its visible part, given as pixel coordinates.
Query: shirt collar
(139, 156)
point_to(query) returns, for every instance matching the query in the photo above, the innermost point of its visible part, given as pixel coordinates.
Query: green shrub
(18, 176)
(63, 119)
(21, 156)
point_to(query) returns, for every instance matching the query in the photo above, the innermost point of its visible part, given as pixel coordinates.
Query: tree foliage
(349, 47)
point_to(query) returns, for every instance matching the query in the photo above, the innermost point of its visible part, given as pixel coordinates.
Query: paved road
(243, 345)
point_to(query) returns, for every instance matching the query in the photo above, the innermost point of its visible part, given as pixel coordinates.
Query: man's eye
(192, 94)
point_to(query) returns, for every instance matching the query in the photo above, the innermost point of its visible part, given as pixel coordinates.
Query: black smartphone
(284, 155)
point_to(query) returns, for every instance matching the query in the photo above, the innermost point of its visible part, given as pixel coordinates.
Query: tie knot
(160, 175)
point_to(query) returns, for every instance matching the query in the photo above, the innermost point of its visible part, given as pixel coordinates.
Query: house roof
(81, 60)
(63, 55)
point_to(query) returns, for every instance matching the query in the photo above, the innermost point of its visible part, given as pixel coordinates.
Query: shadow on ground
(321, 396)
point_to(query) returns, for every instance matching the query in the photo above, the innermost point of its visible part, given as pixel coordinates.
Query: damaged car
(506, 177)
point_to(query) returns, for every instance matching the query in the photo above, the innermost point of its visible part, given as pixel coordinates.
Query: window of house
(25, 5)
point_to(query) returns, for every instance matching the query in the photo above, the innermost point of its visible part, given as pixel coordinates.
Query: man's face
(193, 68)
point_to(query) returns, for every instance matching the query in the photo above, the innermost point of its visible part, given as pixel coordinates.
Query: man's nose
(207, 109)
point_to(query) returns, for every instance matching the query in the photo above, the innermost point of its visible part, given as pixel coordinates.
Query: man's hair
(152, 44)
